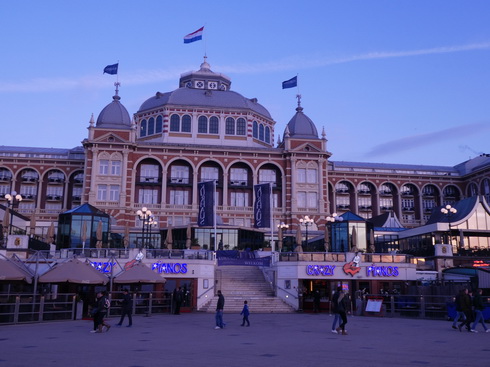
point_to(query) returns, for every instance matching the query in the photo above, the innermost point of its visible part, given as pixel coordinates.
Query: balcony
(342, 191)
(408, 209)
(5, 178)
(238, 183)
(386, 207)
(364, 192)
(56, 180)
(149, 180)
(365, 208)
(385, 193)
(76, 198)
(407, 193)
(28, 196)
(29, 179)
(54, 197)
(343, 206)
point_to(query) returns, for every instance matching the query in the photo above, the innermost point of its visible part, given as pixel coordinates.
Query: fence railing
(25, 308)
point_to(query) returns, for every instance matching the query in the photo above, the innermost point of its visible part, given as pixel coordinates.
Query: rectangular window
(238, 174)
(408, 204)
(114, 193)
(102, 192)
(28, 190)
(311, 175)
(301, 175)
(312, 200)
(179, 197)
(209, 173)
(301, 199)
(116, 168)
(103, 167)
(267, 175)
(179, 174)
(26, 206)
(77, 191)
(239, 199)
(149, 173)
(147, 196)
(4, 189)
(54, 191)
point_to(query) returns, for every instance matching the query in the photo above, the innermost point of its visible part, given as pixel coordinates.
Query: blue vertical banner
(262, 206)
(206, 204)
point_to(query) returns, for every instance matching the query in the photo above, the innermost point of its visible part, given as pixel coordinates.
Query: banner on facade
(246, 258)
(262, 206)
(206, 204)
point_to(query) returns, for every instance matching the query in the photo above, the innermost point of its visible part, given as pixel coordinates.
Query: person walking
(219, 311)
(459, 312)
(464, 303)
(340, 300)
(126, 308)
(245, 312)
(478, 307)
(102, 306)
(335, 312)
(178, 300)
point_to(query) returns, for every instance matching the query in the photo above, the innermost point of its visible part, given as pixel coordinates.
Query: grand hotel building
(203, 130)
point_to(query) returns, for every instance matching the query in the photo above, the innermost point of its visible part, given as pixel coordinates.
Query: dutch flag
(194, 36)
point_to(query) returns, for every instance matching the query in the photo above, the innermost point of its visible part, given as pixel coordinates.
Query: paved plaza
(272, 340)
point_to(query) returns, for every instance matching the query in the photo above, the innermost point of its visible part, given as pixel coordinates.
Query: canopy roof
(138, 273)
(9, 270)
(74, 271)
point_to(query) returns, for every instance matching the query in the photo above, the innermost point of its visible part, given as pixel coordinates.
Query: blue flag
(206, 203)
(291, 83)
(262, 206)
(111, 69)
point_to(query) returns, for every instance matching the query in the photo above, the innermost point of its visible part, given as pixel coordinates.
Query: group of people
(220, 324)
(469, 309)
(102, 305)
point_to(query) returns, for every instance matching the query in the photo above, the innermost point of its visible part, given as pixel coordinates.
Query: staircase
(246, 283)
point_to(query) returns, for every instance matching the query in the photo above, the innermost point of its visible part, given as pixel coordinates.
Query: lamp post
(306, 221)
(282, 226)
(151, 222)
(12, 198)
(144, 214)
(448, 211)
(332, 219)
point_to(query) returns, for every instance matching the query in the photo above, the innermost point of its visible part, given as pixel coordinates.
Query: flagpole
(214, 212)
(271, 205)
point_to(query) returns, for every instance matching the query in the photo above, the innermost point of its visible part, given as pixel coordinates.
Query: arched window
(202, 125)
(151, 126)
(186, 124)
(261, 132)
(143, 128)
(267, 134)
(230, 126)
(255, 130)
(213, 125)
(158, 127)
(241, 127)
(175, 122)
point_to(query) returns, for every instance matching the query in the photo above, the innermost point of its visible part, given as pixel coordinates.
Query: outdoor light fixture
(12, 198)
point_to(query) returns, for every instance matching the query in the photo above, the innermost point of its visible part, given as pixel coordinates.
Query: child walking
(245, 312)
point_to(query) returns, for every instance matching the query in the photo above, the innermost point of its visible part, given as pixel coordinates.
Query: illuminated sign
(103, 267)
(325, 270)
(351, 268)
(382, 271)
(480, 264)
(170, 268)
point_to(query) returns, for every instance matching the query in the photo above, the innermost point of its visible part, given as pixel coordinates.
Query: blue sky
(404, 81)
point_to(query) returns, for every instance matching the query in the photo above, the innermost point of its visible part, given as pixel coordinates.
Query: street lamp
(282, 226)
(448, 211)
(335, 218)
(144, 214)
(306, 221)
(12, 198)
(151, 222)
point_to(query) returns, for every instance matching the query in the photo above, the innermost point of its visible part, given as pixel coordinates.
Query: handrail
(201, 295)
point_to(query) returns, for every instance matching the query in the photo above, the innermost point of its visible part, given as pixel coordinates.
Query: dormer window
(199, 84)
(213, 85)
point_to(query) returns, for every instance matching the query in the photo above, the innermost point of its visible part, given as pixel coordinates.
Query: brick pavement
(272, 340)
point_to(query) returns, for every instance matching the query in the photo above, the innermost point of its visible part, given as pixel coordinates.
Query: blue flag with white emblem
(262, 206)
(111, 69)
(206, 203)
(291, 83)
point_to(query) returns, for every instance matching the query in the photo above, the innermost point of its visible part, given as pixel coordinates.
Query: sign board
(374, 305)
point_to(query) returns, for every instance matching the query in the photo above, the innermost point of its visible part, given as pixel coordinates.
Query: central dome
(204, 88)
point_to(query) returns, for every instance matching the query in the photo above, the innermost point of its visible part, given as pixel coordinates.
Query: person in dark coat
(219, 311)
(316, 301)
(126, 308)
(479, 307)
(178, 296)
(102, 307)
(459, 312)
(464, 304)
(341, 304)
